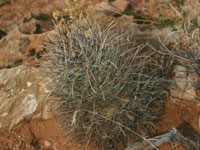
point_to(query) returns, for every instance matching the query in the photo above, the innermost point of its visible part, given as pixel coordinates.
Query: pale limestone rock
(29, 104)
(22, 95)
(182, 87)
(18, 71)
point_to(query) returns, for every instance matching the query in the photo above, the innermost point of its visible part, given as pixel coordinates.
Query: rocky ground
(26, 119)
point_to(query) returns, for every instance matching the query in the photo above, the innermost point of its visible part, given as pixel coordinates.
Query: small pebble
(28, 84)
(4, 114)
(47, 143)
(18, 71)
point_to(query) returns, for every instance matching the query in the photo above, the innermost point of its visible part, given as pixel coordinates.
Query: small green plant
(165, 23)
(74, 10)
(181, 4)
(137, 18)
(111, 0)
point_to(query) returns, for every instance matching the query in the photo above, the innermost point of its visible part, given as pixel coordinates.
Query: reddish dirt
(12, 13)
(170, 146)
(184, 116)
(36, 135)
(30, 18)
(33, 134)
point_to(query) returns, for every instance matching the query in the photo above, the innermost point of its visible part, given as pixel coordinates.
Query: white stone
(29, 104)
(4, 114)
(28, 84)
(18, 71)
(47, 143)
(11, 91)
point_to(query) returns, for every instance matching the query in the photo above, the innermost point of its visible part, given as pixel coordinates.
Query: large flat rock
(22, 95)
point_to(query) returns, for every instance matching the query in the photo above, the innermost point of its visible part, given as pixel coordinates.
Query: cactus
(106, 85)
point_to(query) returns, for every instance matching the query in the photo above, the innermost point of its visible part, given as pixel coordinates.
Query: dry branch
(173, 136)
